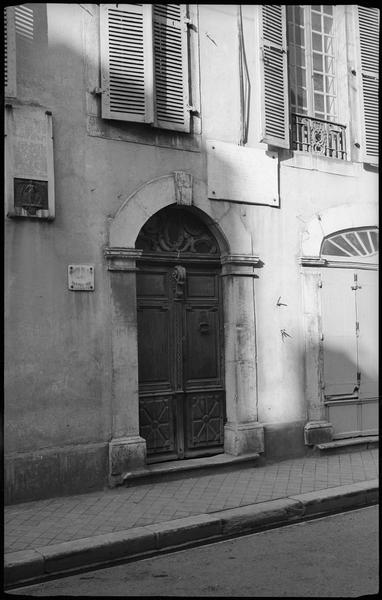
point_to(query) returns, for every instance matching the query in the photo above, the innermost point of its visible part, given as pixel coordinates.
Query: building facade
(191, 235)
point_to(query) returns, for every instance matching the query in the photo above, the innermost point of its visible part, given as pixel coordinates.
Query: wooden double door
(180, 358)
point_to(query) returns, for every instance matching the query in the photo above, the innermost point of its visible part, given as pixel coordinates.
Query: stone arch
(152, 196)
(336, 218)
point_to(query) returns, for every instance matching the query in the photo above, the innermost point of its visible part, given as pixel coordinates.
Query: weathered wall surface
(59, 366)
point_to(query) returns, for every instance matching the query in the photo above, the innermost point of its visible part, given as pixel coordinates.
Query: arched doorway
(349, 313)
(180, 337)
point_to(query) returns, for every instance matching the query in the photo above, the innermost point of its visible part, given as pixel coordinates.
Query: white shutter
(274, 75)
(171, 67)
(126, 62)
(368, 22)
(9, 52)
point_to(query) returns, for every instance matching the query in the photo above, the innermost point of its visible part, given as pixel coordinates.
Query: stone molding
(121, 259)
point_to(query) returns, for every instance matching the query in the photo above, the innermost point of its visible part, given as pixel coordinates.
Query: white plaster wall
(58, 353)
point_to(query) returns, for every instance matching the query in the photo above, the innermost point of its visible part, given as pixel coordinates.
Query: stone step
(349, 444)
(188, 468)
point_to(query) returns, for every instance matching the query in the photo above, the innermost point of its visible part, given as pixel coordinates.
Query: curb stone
(29, 566)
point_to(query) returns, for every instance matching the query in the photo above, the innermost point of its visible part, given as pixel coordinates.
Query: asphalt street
(334, 556)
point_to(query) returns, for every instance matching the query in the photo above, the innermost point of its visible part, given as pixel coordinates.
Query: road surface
(335, 556)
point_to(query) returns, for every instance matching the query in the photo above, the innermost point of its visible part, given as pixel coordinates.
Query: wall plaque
(29, 176)
(81, 278)
(31, 195)
(242, 174)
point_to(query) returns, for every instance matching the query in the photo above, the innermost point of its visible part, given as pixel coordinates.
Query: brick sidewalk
(41, 523)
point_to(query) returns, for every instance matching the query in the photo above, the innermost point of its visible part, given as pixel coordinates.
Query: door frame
(328, 221)
(243, 434)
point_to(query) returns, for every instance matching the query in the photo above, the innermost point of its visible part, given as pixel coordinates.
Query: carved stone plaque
(81, 278)
(29, 173)
(31, 195)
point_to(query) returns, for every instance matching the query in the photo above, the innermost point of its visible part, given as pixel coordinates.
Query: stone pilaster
(242, 433)
(127, 450)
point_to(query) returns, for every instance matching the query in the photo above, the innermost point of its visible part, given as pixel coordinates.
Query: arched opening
(180, 337)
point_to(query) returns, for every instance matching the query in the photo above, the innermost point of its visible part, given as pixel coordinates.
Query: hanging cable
(245, 84)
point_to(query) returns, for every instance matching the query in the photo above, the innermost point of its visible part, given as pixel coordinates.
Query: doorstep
(349, 444)
(189, 467)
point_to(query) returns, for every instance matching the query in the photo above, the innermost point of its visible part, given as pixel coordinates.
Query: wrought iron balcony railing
(318, 136)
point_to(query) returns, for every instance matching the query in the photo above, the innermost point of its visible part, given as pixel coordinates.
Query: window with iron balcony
(302, 80)
(313, 82)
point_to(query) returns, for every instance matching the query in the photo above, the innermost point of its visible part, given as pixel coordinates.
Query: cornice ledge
(241, 260)
(115, 252)
(312, 261)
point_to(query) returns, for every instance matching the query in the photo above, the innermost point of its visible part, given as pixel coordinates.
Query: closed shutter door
(171, 66)
(339, 330)
(368, 21)
(273, 68)
(126, 62)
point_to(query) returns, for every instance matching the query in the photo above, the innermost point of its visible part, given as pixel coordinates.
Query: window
(361, 243)
(300, 81)
(311, 57)
(144, 64)
(312, 71)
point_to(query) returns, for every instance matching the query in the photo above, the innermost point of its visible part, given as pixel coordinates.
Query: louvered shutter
(171, 66)
(9, 52)
(274, 76)
(126, 62)
(368, 21)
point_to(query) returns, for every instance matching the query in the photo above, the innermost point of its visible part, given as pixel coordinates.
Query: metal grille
(318, 136)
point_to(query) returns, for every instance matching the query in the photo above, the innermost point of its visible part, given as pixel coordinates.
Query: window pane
(319, 102)
(330, 249)
(290, 33)
(316, 22)
(328, 9)
(299, 15)
(300, 57)
(328, 45)
(301, 78)
(343, 243)
(329, 84)
(317, 62)
(374, 239)
(318, 82)
(329, 65)
(301, 100)
(330, 105)
(365, 240)
(299, 36)
(352, 237)
(317, 41)
(328, 25)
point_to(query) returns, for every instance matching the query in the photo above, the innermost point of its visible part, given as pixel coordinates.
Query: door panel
(367, 317)
(205, 419)
(153, 358)
(202, 346)
(156, 421)
(338, 326)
